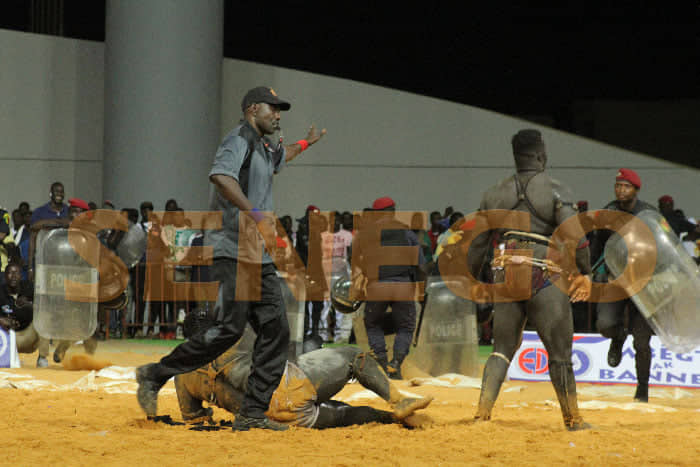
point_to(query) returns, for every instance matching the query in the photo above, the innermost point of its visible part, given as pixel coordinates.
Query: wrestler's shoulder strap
(522, 197)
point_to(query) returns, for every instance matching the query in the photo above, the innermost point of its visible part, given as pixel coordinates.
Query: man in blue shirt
(55, 208)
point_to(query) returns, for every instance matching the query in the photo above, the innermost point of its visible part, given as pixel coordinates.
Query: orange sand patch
(84, 427)
(84, 362)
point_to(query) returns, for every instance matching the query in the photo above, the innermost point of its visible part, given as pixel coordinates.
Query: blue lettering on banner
(656, 366)
(627, 375)
(666, 354)
(606, 374)
(668, 364)
(696, 379)
(629, 353)
(655, 376)
(684, 357)
(670, 377)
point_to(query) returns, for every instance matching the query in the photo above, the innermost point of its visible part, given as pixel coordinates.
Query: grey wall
(163, 100)
(51, 117)
(424, 152)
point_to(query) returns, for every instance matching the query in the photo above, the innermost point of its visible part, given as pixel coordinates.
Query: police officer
(403, 308)
(610, 321)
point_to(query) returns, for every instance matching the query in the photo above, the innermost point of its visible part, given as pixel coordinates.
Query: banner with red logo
(589, 358)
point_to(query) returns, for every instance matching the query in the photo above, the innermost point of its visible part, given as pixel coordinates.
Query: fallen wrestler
(303, 397)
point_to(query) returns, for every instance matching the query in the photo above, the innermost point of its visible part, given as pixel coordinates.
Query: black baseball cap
(263, 94)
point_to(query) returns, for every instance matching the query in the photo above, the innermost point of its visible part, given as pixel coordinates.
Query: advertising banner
(589, 358)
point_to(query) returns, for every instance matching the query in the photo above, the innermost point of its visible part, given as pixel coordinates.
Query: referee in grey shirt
(242, 176)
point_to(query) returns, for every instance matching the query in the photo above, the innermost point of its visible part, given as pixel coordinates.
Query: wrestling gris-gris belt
(528, 237)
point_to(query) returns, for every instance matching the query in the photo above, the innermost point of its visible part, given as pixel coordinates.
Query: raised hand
(314, 134)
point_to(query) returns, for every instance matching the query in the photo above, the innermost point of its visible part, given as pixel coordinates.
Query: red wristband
(303, 143)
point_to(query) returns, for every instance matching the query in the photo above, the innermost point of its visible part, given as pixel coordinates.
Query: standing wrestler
(242, 173)
(548, 203)
(610, 321)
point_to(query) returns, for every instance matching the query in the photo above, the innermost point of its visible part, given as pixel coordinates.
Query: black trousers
(611, 324)
(403, 315)
(268, 319)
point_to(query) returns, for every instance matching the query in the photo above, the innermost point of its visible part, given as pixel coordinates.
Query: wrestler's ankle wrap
(562, 375)
(494, 373)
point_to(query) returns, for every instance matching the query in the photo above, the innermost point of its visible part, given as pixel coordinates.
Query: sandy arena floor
(78, 418)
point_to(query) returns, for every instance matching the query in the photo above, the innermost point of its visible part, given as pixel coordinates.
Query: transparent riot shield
(293, 284)
(56, 261)
(670, 300)
(448, 341)
(132, 246)
(340, 276)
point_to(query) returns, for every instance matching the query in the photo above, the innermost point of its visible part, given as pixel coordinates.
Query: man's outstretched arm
(293, 150)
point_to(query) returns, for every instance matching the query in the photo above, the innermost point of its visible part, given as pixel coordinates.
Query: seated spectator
(17, 313)
(8, 249)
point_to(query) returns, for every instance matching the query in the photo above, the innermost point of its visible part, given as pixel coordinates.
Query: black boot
(393, 369)
(642, 393)
(615, 351)
(562, 376)
(382, 359)
(642, 361)
(494, 373)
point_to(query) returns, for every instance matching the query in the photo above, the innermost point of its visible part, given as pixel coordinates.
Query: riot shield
(340, 295)
(670, 300)
(132, 246)
(293, 284)
(448, 341)
(55, 317)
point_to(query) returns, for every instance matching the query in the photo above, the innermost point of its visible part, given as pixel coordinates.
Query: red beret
(666, 199)
(78, 203)
(383, 203)
(629, 175)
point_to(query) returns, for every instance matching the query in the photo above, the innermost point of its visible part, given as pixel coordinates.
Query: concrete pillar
(162, 100)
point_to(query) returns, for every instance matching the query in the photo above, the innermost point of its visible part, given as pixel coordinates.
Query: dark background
(525, 61)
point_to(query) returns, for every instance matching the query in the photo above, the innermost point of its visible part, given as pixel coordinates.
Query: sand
(78, 418)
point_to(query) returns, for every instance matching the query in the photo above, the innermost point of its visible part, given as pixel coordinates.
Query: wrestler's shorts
(294, 402)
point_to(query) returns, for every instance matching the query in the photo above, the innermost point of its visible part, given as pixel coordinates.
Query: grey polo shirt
(265, 162)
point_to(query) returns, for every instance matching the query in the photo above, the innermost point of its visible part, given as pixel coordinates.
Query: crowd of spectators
(330, 232)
